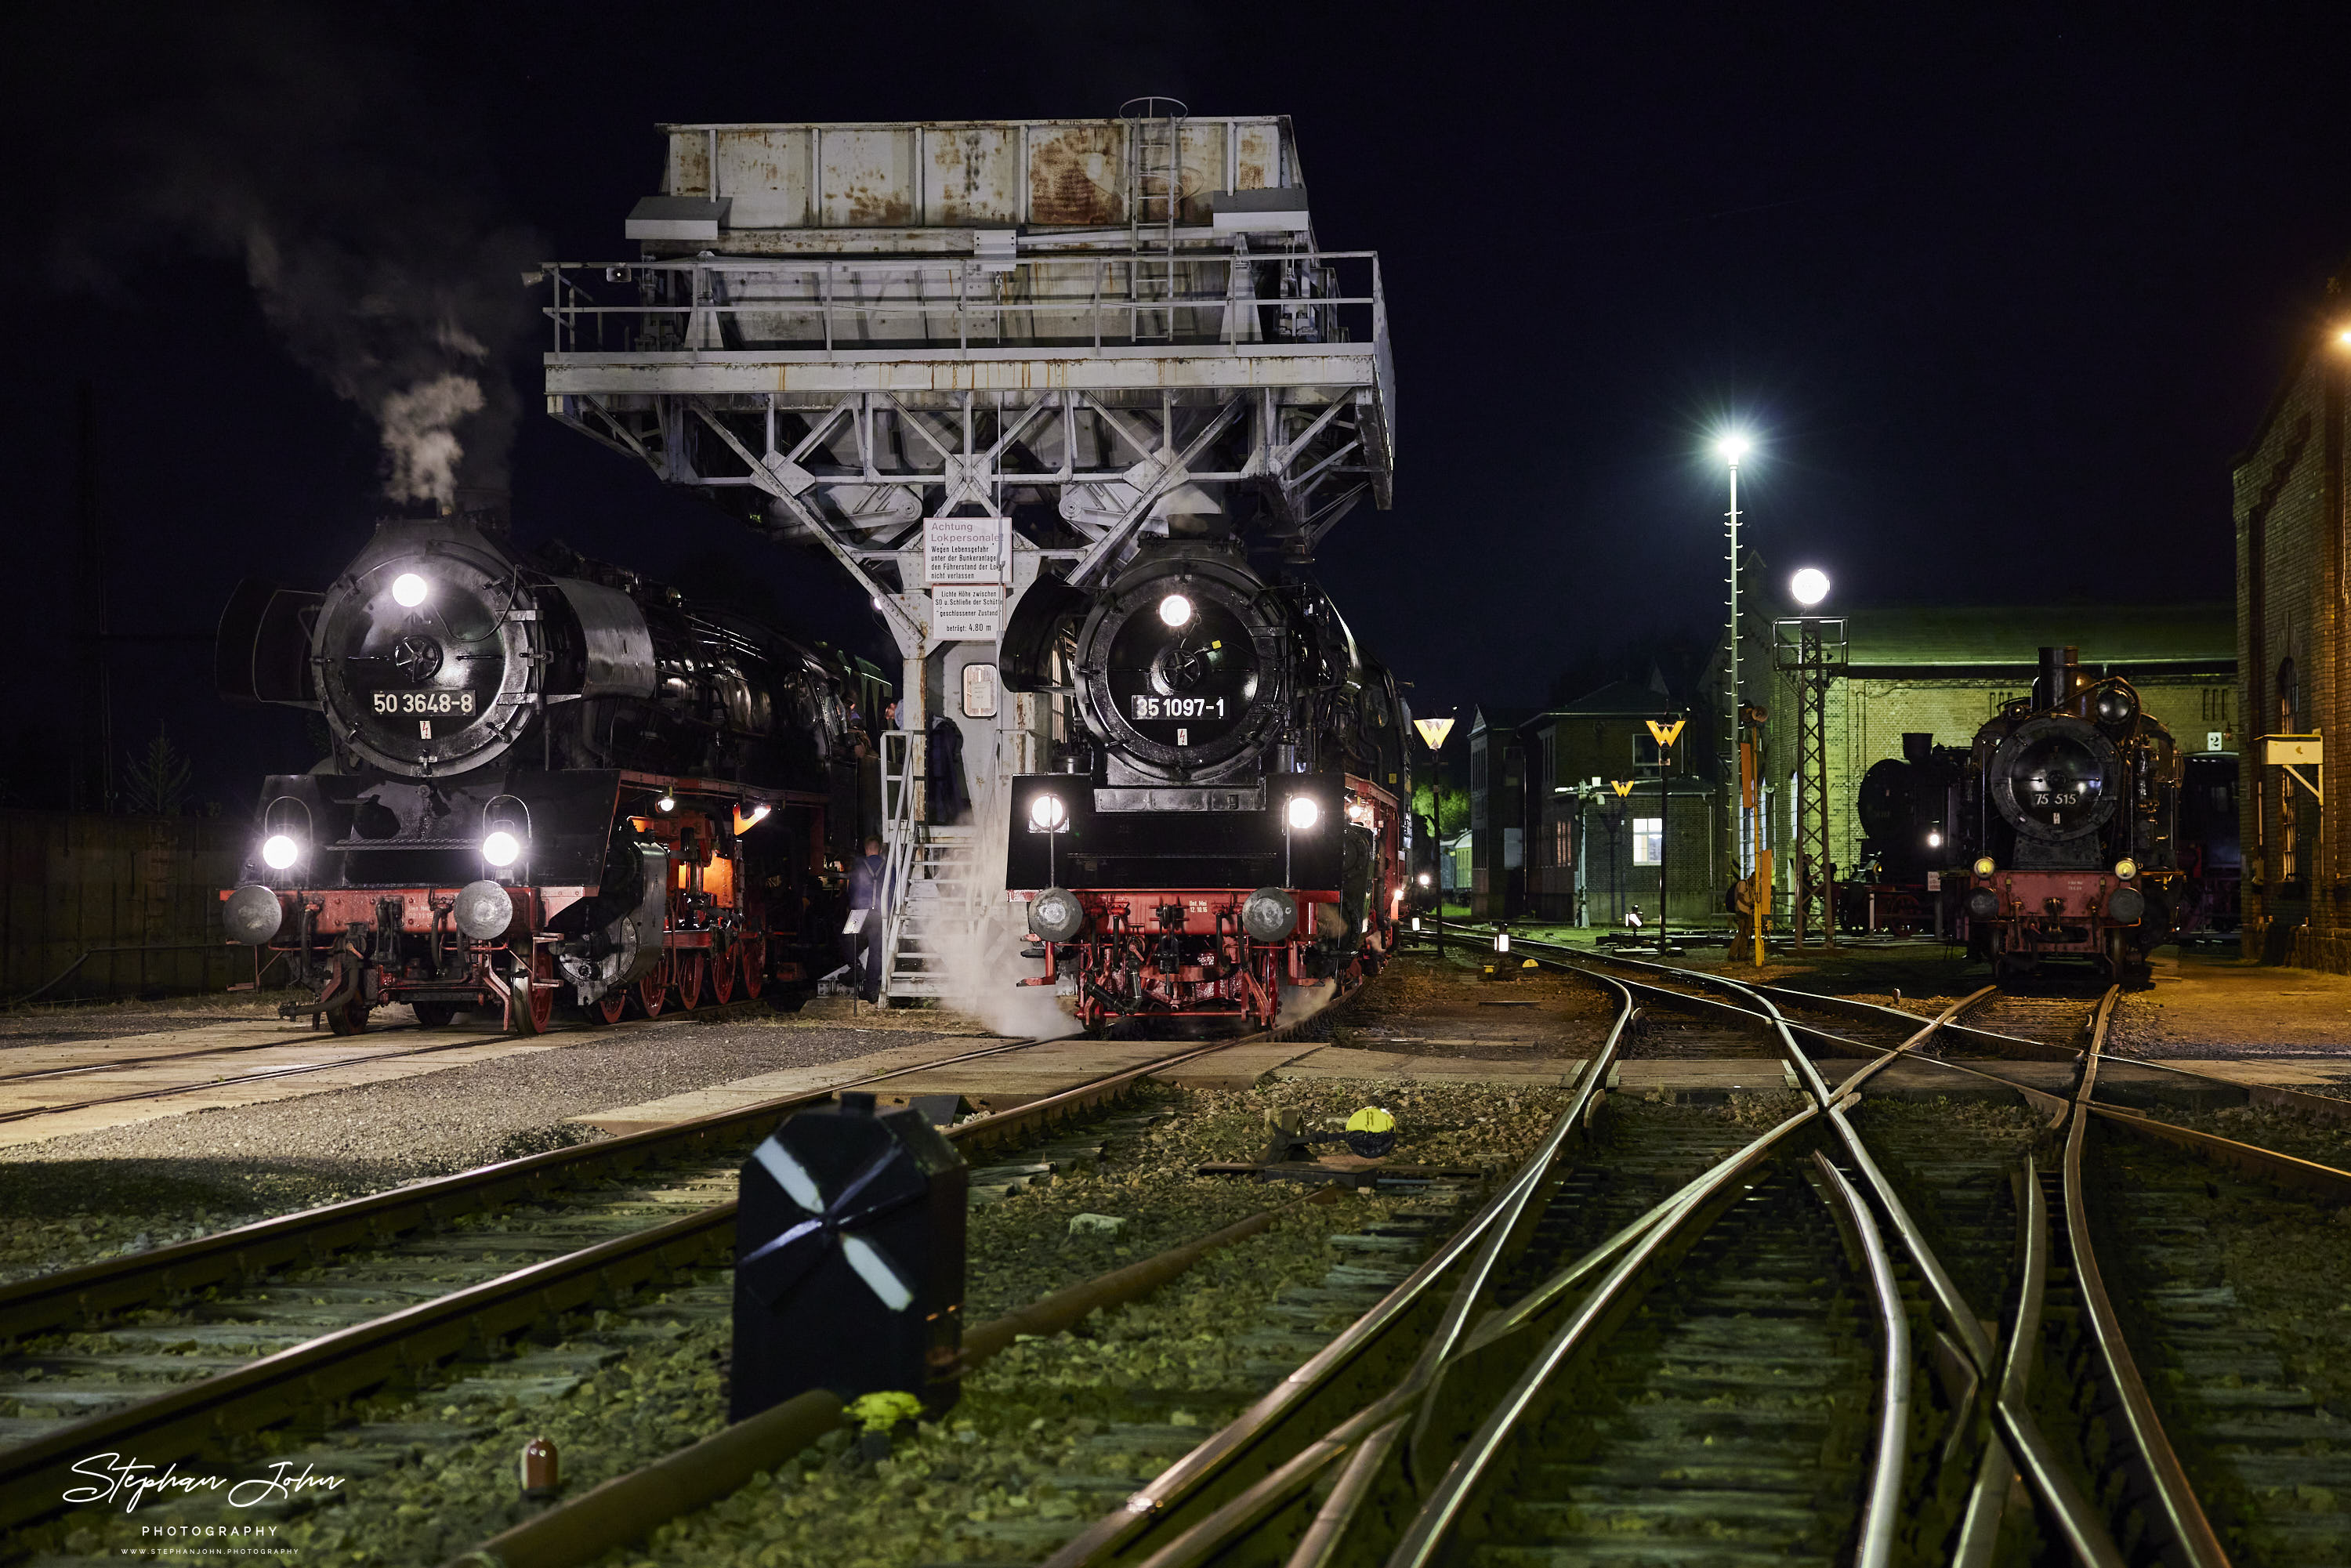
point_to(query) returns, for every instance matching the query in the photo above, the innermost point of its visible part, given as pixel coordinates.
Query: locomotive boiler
(550, 780)
(2077, 798)
(1229, 820)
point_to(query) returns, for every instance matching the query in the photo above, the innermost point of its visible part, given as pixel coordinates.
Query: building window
(1648, 839)
(1559, 854)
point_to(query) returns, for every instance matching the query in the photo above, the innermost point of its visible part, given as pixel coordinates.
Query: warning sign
(964, 549)
(966, 612)
(1665, 735)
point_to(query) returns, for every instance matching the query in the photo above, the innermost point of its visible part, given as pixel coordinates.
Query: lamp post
(1731, 447)
(1433, 732)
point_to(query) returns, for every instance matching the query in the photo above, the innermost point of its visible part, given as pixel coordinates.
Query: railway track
(168, 1353)
(1871, 1331)
(1781, 1364)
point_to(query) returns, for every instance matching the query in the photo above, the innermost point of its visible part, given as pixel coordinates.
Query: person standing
(867, 901)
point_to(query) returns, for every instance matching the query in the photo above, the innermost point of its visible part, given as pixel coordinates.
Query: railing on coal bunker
(1084, 302)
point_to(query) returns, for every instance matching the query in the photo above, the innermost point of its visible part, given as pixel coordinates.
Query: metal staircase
(1154, 185)
(938, 908)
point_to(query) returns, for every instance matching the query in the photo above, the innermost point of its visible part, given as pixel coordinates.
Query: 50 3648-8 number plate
(424, 703)
(1179, 707)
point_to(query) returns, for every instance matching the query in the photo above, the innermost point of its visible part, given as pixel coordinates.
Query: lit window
(1648, 839)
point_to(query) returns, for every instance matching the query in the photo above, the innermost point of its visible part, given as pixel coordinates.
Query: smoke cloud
(330, 168)
(983, 960)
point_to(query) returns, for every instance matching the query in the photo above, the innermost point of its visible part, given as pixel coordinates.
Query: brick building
(1551, 839)
(2291, 523)
(1943, 671)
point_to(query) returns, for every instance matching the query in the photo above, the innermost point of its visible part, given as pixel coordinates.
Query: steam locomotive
(550, 780)
(1917, 820)
(1230, 821)
(2076, 803)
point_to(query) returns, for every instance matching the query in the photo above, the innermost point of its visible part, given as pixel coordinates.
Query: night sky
(2000, 294)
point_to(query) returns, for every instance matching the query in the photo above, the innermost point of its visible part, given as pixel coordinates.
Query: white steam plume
(297, 142)
(419, 440)
(983, 963)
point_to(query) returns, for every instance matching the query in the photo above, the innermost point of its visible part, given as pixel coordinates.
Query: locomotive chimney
(489, 507)
(2060, 674)
(1917, 746)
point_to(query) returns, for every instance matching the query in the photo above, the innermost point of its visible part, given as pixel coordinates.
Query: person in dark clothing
(867, 901)
(950, 797)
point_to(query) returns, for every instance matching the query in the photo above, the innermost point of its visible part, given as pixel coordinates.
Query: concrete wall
(147, 884)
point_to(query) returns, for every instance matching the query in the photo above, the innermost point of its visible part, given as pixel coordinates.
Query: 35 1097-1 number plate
(1179, 707)
(432, 703)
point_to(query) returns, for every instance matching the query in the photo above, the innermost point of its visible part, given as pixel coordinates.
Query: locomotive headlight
(501, 849)
(1986, 866)
(1046, 814)
(2114, 707)
(279, 850)
(1176, 609)
(408, 590)
(2126, 868)
(1424, 879)
(666, 803)
(1302, 812)
(1934, 839)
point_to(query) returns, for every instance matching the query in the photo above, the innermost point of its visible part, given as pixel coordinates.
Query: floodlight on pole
(1809, 586)
(1731, 447)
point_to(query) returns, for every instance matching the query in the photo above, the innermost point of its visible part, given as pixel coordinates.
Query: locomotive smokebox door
(849, 1260)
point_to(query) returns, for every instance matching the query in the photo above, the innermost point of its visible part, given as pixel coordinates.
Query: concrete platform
(741, 1092)
(190, 1060)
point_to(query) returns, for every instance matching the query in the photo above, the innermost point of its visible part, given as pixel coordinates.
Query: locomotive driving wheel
(691, 967)
(652, 991)
(607, 1007)
(345, 1012)
(530, 1008)
(754, 950)
(723, 966)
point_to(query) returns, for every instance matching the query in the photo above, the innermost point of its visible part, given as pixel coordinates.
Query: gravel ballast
(981, 1484)
(71, 1200)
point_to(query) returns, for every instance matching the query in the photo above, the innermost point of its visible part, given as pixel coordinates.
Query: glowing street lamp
(1731, 447)
(1433, 732)
(1809, 587)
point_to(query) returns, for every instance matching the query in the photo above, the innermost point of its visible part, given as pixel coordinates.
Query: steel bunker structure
(962, 357)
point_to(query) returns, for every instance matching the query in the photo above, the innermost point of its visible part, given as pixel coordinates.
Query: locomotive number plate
(419, 704)
(1179, 707)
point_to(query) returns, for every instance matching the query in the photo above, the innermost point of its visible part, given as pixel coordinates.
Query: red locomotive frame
(719, 939)
(1130, 923)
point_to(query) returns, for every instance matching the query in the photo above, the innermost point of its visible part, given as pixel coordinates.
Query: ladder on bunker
(1154, 185)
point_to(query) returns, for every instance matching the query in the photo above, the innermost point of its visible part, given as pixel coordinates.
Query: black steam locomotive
(2075, 827)
(1918, 816)
(550, 779)
(1231, 820)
